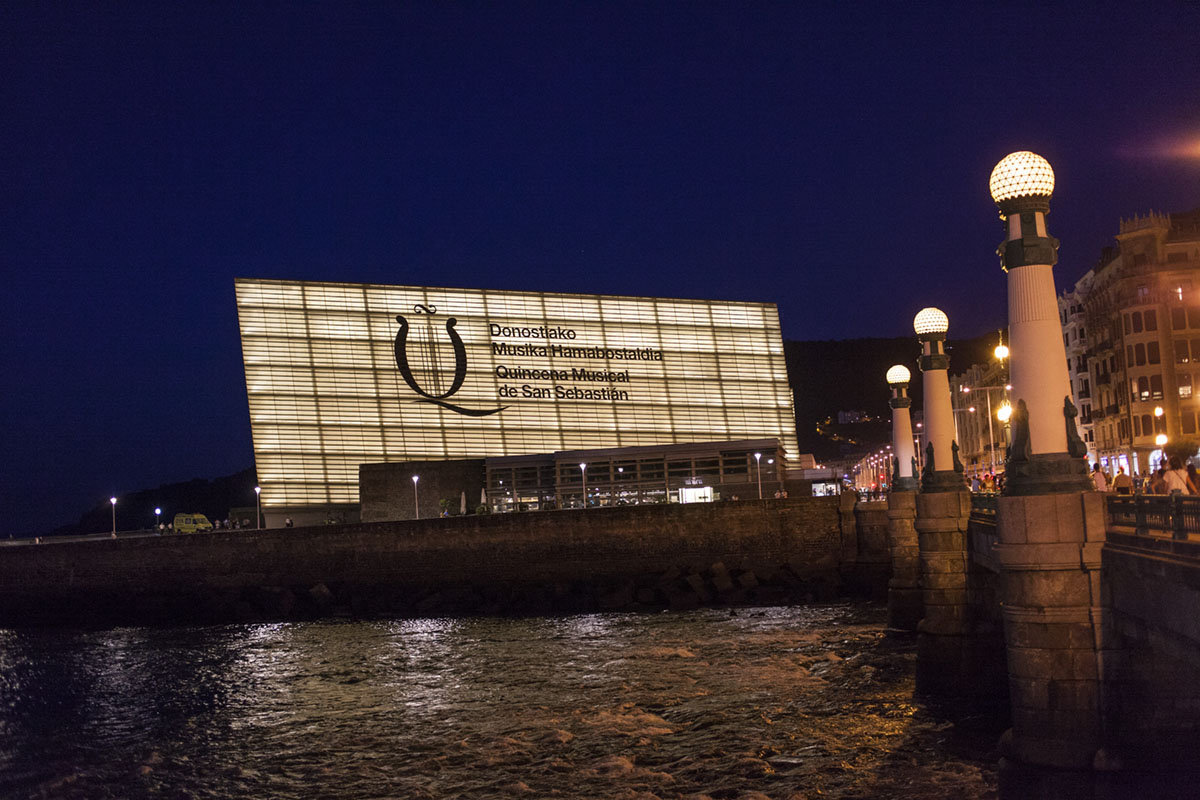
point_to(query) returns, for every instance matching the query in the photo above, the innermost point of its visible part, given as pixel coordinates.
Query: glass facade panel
(344, 374)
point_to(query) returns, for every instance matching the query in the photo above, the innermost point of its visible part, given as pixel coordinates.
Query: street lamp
(1047, 457)
(113, 500)
(988, 397)
(257, 506)
(1161, 441)
(416, 500)
(157, 515)
(943, 473)
(583, 472)
(902, 433)
(758, 468)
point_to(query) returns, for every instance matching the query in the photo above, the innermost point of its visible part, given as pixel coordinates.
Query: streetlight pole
(583, 472)
(902, 433)
(257, 506)
(157, 521)
(758, 469)
(991, 434)
(1047, 456)
(944, 471)
(416, 499)
(113, 500)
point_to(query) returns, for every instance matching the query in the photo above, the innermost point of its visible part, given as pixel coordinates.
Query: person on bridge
(1177, 478)
(1122, 484)
(1099, 479)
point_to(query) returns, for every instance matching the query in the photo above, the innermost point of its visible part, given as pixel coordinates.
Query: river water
(791, 702)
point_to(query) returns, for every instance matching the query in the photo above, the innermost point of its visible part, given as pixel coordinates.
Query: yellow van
(192, 523)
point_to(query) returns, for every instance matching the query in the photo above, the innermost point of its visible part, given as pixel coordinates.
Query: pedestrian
(1177, 479)
(287, 522)
(976, 485)
(1099, 479)
(1158, 482)
(1122, 484)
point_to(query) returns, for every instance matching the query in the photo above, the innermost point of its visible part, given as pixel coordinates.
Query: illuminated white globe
(898, 374)
(1021, 174)
(931, 320)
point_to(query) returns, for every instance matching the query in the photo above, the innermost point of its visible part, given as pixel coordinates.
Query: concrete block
(1010, 520)
(1045, 664)
(1095, 518)
(1069, 512)
(1074, 696)
(1030, 693)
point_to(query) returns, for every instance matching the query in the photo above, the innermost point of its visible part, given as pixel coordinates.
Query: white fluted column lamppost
(1046, 456)
(943, 472)
(905, 477)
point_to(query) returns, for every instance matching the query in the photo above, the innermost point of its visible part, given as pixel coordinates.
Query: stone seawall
(652, 556)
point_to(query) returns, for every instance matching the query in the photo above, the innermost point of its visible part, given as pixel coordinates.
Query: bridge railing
(1174, 515)
(983, 506)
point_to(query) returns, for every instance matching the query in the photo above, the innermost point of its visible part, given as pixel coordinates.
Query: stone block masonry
(744, 552)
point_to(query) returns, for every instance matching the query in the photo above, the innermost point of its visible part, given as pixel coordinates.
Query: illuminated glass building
(340, 375)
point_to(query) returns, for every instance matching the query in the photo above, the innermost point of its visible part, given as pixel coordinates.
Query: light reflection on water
(777, 701)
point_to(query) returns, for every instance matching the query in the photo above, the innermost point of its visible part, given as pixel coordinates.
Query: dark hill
(212, 498)
(848, 375)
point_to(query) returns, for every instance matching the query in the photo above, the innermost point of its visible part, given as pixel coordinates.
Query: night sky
(832, 158)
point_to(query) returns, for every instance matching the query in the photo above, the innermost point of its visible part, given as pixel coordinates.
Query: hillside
(848, 375)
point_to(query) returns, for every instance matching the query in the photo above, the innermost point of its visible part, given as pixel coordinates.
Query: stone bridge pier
(1056, 625)
(959, 648)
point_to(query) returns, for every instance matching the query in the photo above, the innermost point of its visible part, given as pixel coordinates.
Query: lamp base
(1046, 473)
(944, 480)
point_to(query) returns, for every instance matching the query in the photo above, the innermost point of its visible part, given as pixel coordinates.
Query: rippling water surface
(794, 702)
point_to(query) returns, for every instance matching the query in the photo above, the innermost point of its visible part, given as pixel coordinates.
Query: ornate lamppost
(905, 465)
(943, 471)
(1046, 455)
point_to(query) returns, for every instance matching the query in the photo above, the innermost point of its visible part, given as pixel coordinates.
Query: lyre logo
(431, 363)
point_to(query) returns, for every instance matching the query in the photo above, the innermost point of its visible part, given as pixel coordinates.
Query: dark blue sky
(829, 157)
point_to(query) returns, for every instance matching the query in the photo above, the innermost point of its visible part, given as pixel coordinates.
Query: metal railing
(983, 505)
(1175, 515)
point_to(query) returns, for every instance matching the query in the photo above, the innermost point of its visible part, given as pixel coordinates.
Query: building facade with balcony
(1071, 310)
(1134, 320)
(978, 395)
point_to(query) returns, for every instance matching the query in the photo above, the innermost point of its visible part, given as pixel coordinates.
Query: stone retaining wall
(640, 556)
